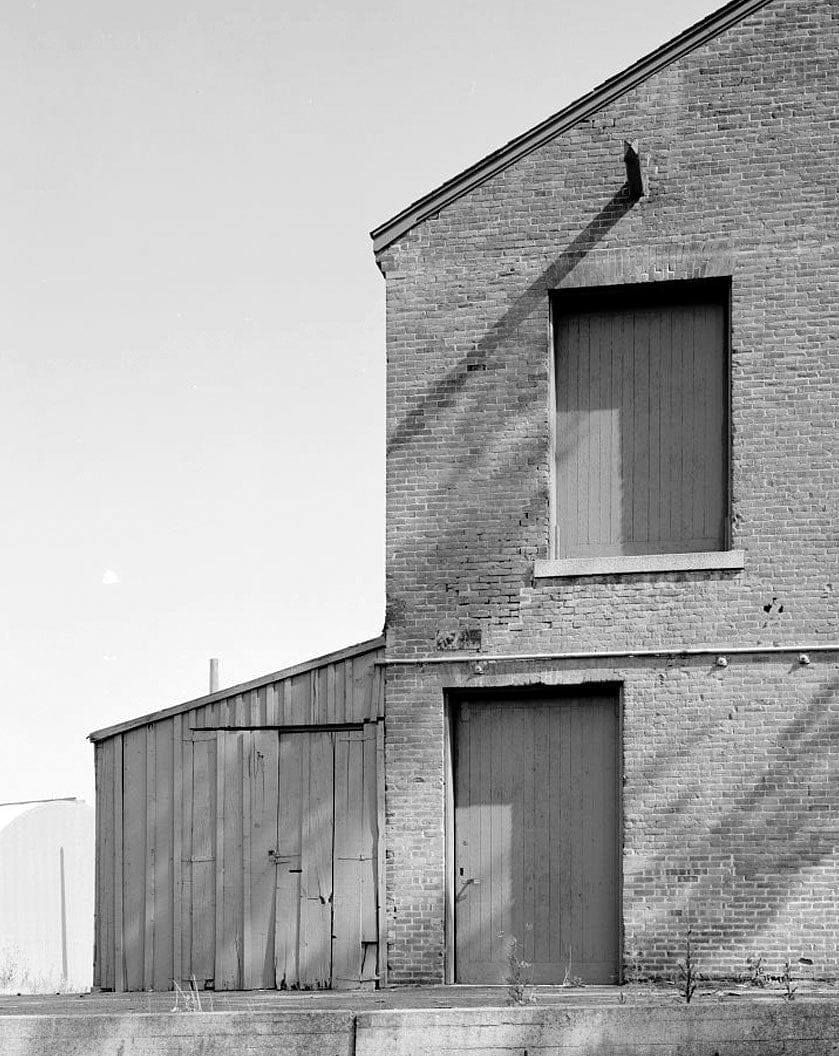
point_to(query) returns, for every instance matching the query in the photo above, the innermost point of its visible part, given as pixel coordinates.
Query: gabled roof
(582, 108)
(369, 646)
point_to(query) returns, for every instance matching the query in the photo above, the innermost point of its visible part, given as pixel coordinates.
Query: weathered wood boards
(239, 852)
(536, 838)
(641, 427)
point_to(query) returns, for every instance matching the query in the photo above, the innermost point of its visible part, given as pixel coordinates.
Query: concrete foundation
(759, 1029)
(180, 1034)
(763, 1026)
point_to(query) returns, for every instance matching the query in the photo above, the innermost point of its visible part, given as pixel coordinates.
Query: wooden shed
(238, 835)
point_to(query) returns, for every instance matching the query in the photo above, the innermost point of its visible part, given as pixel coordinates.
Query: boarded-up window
(641, 422)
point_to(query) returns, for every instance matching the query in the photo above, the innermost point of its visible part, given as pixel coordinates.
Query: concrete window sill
(643, 563)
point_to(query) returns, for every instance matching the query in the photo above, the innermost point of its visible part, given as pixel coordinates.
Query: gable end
(693, 37)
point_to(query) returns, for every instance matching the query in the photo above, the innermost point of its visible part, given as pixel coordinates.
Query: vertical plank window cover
(641, 425)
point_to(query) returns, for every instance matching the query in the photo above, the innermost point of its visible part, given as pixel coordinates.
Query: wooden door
(303, 946)
(247, 779)
(536, 838)
(641, 441)
(296, 856)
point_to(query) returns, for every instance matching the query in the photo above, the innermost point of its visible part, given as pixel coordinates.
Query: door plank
(229, 864)
(315, 942)
(379, 793)
(347, 952)
(134, 856)
(293, 769)
(103, 965)
(163, 834)
(177, 846)
(119, 922)
(203, 901)
(540, 951)
(466, 839)
(368, 849)
(187, 779)
(148, 880)
(262, 796)
(247, 834)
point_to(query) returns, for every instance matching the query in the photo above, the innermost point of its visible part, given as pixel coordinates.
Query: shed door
(296, 903)
(536, 839)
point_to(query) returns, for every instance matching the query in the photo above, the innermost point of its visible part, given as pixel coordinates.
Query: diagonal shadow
(444, 393)
(773, 830)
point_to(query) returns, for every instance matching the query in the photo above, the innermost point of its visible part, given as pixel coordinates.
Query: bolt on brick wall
(740, 146)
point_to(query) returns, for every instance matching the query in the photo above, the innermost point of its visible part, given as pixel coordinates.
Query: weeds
(788, 992)
(9, 969)
(187, 1000)
(519, 977)
(688, 975)
(756, 971)
(635, 966)
(758, 976)
(17, 977)
(571, 981)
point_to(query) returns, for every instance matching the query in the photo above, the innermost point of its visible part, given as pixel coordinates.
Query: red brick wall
(729, 806)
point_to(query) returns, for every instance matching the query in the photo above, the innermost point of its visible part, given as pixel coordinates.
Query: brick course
(730, 798)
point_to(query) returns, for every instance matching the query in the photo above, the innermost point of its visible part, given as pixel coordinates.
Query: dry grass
(17, 977)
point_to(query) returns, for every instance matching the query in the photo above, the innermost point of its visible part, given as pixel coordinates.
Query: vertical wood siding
(641, 430)
(348, 691)
(536, 839)
(241, 853)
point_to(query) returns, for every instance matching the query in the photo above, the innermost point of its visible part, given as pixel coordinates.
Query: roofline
(693, 37)
(370, 646)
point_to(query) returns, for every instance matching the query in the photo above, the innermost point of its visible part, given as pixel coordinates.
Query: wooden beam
(634, 176)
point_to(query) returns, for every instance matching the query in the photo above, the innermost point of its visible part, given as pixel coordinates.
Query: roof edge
(369, 646)
(688, 40)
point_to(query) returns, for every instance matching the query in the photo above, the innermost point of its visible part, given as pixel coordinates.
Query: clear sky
(192, 324)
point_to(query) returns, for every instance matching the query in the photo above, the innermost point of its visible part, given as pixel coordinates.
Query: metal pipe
(614, 654)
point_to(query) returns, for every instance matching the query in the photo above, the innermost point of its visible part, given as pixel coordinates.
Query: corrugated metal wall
(237, 837)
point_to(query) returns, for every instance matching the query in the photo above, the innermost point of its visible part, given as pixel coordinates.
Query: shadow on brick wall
(738, 869)
(444, 394)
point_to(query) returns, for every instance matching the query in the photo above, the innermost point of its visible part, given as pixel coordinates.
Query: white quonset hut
(46, 897)
(237, 839)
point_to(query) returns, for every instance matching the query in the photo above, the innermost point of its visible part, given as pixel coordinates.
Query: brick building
(613, 488)
(606, 705)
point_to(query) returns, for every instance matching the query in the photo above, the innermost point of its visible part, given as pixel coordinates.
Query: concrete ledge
(756, 1028)
(750, 1027)
(617, 566)
(180, 1034)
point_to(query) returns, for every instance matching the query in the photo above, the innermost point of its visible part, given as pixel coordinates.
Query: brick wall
(730, 807)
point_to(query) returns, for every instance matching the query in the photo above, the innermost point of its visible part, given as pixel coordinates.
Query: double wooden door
(296, 855)
(537, 838)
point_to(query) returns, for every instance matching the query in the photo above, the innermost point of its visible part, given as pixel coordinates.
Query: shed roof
(693, 37)
(370, 646)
